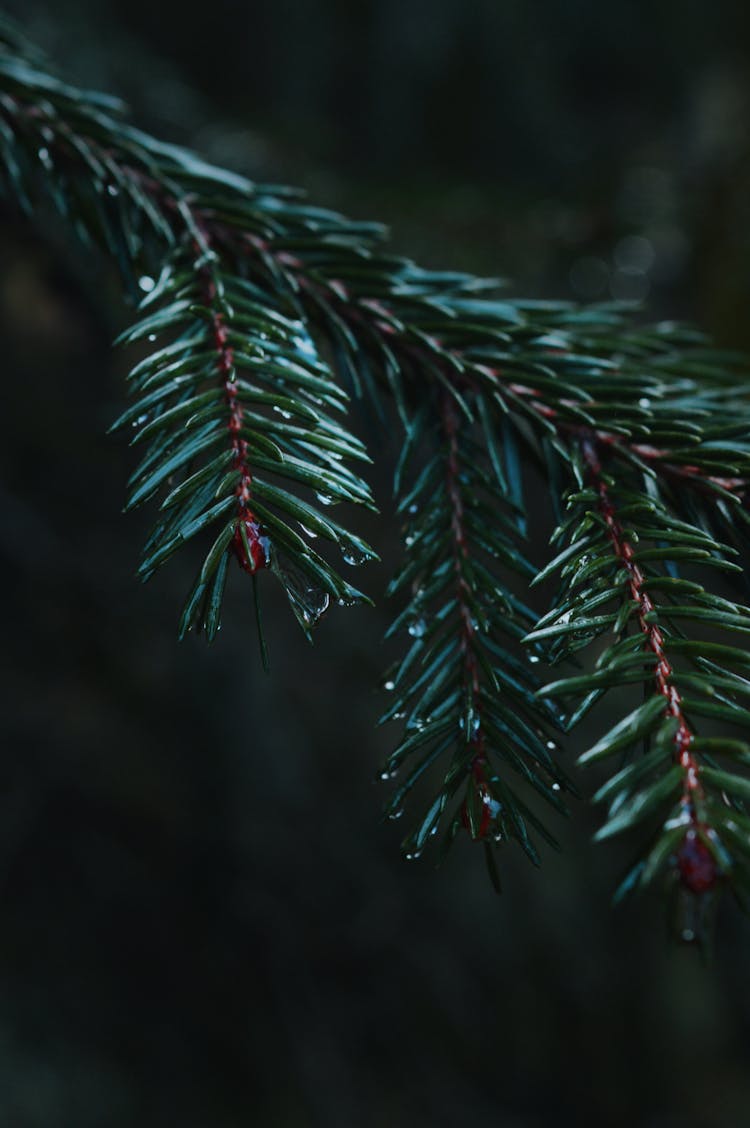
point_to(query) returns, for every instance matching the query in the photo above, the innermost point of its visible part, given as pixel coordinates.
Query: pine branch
(618, 573)
(238, 406)
(263, 310)
(235, 357)
(463, 689)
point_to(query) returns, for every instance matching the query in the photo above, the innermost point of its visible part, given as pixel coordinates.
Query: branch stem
(472, 683)
(653, 639)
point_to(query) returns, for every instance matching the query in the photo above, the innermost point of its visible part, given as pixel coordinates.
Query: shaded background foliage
(204, 922)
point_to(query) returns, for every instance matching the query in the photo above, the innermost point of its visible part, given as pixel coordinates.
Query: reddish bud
(257, 542)
(696, 864)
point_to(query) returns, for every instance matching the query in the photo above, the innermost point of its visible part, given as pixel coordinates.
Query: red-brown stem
(685, 474)
(224, 353)
(468, 628)
(351, 307)
(256, 557)
(653, 639)
(354, 308)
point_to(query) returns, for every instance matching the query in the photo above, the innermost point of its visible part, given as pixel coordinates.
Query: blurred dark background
(204, 922)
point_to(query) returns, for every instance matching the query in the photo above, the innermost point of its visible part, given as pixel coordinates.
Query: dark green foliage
(466, 696)
(262, 314)
(622, 543)
(265, 373)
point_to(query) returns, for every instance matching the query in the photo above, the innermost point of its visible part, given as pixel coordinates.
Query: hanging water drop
(347, 600)
(354, 555)
(395, 814)
(324, 499)
(151, 337)
(492, 805)
(389, 686)
(146, 283)
(417, 628)
(308, 602)
(314, 606)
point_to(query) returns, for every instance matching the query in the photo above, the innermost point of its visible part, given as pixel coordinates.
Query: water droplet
(44, 157)
(498, 836)
(113, 190)
(409, 541)
(354, 555)
(386, 774)
(556, 786)
(413, 855)
(284, 414)
(389, 686)
(533, 658)
(315, 605)
(151, 337)
(684, 818)
(688, 935)
(308, 532)
(551, 745)
(412, 510)
(644, 402)
(309, 603)
(325, 499)
(393, 815)
(146, 283)
(417, 628)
